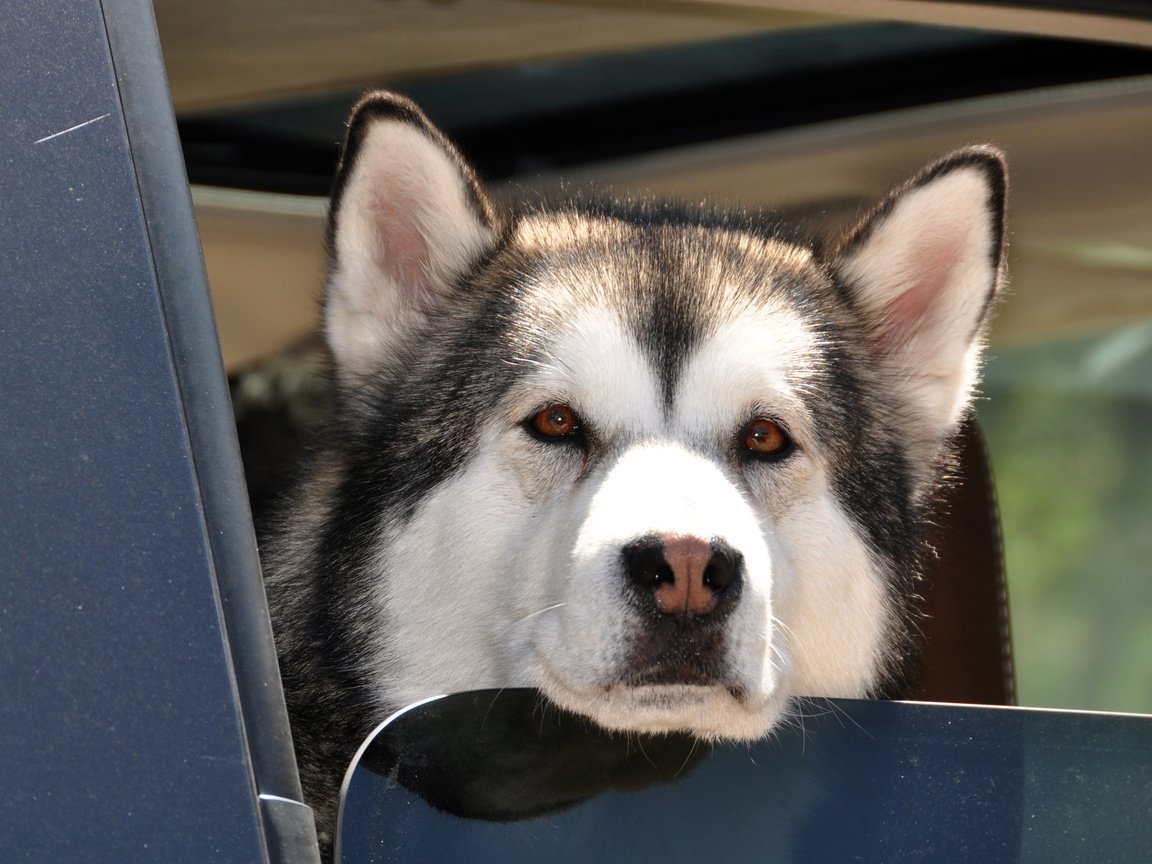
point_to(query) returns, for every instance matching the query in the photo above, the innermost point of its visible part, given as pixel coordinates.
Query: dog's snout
(683, 575)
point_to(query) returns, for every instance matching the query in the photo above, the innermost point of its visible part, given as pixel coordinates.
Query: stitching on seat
(1008, 670)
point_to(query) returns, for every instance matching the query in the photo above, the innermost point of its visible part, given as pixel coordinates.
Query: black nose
(682, 575)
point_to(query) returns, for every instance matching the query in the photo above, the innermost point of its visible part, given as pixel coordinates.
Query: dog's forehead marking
(758, 360)
(593, 361)
(679, 326)
(755, 360)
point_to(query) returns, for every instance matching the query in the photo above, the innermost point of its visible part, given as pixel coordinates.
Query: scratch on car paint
(72, 128)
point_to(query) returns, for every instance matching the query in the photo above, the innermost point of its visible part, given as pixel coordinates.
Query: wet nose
(683, 575)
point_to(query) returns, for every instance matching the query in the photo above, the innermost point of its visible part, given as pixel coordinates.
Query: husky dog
(656, 461)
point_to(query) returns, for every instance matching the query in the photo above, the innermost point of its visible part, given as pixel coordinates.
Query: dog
(661, 462)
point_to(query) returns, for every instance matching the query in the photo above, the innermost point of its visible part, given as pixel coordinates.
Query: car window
(489, 776)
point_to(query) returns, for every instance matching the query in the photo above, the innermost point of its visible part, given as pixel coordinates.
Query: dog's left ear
(408, 220)
(923, 270)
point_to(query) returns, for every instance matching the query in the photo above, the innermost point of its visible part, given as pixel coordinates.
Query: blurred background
(763, 105)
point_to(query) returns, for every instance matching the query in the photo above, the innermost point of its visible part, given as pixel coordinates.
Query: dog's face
(658, 464)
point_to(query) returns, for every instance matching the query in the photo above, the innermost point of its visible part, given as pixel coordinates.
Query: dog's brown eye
(555, 421)
(764, 437)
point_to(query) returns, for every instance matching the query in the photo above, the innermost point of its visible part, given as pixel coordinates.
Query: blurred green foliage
(1069, 426)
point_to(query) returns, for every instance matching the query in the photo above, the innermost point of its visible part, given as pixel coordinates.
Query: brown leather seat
(967, 639)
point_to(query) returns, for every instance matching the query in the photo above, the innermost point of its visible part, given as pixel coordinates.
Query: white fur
(831, 595)
(837, 610)
(657, 485)
(514, 565)
(405, 230)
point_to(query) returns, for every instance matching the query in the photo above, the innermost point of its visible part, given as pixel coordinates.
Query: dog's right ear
(408, 219)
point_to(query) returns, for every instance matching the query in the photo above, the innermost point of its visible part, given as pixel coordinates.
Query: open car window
(784, 111)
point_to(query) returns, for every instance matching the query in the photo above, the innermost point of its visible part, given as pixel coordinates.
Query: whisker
(531, 615)
(644, 753)
(776, 622)
(491, 705)
(836, 709)
(688, 758)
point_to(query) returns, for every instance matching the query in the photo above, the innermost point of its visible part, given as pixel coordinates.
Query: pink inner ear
(928, 271)
(402, 250)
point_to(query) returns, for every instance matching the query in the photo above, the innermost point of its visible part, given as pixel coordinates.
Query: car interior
(792, 108)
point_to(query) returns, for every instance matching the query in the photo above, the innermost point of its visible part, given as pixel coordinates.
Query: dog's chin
(709, 710)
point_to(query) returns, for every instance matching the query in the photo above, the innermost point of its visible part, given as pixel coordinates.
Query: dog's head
(653, 460)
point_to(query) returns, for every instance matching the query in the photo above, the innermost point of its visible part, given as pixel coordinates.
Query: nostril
(723, 567)
(663, 575)
(644, 563)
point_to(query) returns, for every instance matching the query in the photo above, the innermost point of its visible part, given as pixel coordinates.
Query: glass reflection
(503, 776)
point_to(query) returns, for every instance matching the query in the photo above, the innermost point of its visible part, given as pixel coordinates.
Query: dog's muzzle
(682, 588)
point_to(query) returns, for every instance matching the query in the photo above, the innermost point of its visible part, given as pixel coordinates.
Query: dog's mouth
(679, 674)
(670, 697)
(668, 677)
